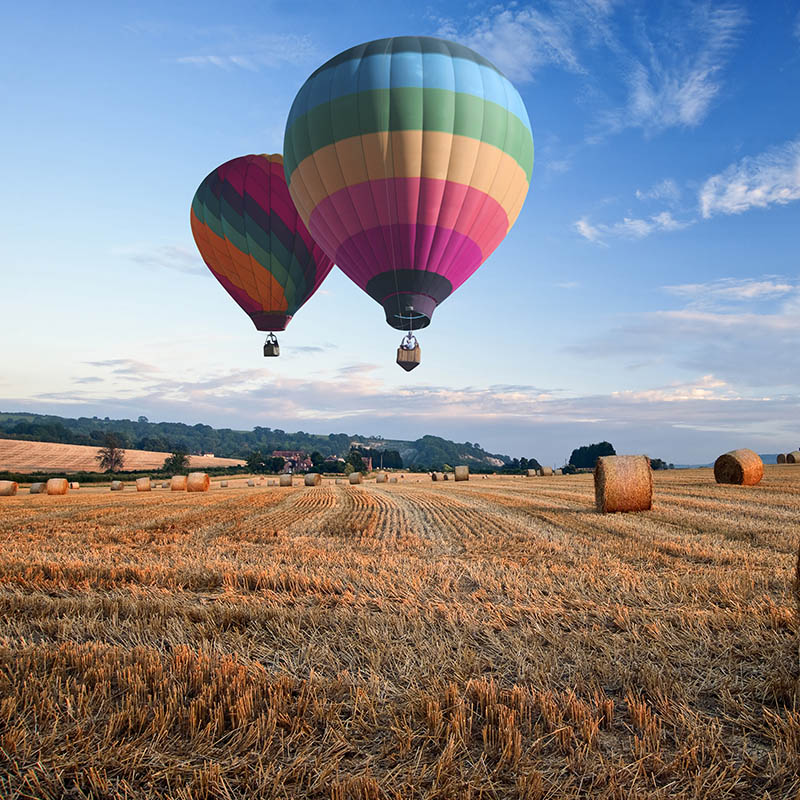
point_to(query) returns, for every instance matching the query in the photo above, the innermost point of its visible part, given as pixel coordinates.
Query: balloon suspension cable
(409, 341)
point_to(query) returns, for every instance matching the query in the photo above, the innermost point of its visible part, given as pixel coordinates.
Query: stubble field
(489, 639)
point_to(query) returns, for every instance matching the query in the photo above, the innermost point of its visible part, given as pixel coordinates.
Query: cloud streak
(629, 227)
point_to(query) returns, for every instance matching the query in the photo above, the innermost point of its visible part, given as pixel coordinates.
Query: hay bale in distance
(393, 479)
(38, 488)
(57, 486)
(354, 477)
(272, 482)
(178, 483)
(198, 482)
(223, 484)
(437, 476)
(251, 483)
(559, 472)
(165, 484)
(143, 485)
(445, 476)
(531, 473)
(793, 457)
(8, 488)
(623, 483)
(381, 477)
(547, 472)
(312, 479)
(781, 458)
(462, 473)
(285, 480)
(340, 481)
(74, 485)
(741, 467)
(117, 486)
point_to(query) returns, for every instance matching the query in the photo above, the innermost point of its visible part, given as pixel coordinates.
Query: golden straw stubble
(623, 483)
(741, 467)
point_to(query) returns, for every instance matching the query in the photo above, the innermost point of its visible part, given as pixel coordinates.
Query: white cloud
(234, 49)
(733, 290)
(630, 227)
(754, 182)
(663, 190)
(167, 256)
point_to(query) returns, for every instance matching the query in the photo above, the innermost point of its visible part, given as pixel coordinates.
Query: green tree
(317, 458)
(357, 461)
(255, 461)
(177, 462)
(587, 456)
(111, 456)
(276, 464)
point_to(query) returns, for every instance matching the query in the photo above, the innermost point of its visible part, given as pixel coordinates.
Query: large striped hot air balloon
(409, 159)
(254, 242)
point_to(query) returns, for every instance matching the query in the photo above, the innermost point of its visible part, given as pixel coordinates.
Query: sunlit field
(490, 639)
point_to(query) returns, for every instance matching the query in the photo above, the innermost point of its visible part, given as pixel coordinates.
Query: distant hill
(767, 458)
(164, 437)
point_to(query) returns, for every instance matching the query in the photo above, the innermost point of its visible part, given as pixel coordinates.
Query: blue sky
(649, 293)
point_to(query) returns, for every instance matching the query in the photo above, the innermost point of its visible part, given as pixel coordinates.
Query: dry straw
(312, 479)
(8, 488)
(793, 457)
(178, 483)
(143, 485)
(381, 477)
(355, 477)
(198, 482)
(57, 486)
(623, 483)
(38, 488)
(286, 480)
(462, 473)
(781, 458)
(117, 486)
(742, 467)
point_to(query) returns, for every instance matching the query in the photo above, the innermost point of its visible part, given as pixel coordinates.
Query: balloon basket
(408, 358)
(271, 347)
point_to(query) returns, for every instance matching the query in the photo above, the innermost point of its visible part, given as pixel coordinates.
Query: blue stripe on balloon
(408, 69)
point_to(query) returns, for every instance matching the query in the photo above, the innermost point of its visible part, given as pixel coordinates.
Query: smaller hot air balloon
(254, 242)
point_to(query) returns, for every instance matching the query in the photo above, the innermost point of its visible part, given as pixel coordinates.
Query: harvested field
(21, 456)
(482, 639)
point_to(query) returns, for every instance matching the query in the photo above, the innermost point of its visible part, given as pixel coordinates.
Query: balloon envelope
(254, 242)
(409, 159)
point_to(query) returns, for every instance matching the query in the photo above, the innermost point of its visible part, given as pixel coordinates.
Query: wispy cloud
(666, 190)
(630, 227)
(754, 182)
(231, 48)
(167, 256)
(734, 290)
(522, 40)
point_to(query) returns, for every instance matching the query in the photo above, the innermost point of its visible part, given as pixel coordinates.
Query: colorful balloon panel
(409, 159)
(253, 240)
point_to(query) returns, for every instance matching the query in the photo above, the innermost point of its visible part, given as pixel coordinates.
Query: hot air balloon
(409, 159)
(254, 242)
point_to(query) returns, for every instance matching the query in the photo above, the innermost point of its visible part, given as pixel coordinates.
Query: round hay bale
(198, 482)
(462, 473)
(354, 477)
(74, 485)
(781, 458)
(165, 484)
(437, 476)
(8, 488)
(381, 477)
(547, 472)
(38, 488)
(285, 480)
(223, 484)
(445, 476)
(393, 479)
(312, 479)
(793, 457)
(623, 483)
(57, 486)
(741, 467)
(178, 483)
(251, 483)
(340, 481)
(117, 486)
(272, 482)
(531, 473)
(559, 472)
(143, 485)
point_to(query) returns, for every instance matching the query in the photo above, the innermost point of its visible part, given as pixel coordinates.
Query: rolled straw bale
(437, 476)
(251, 482)
(793, 457)
(532, 473)
(559, 472)
(74, 485)
(272, 482)
(117, 486)
(781, 458)
(742, 467)
(57, 486)
(8, 488)
(381, 477)
(285, 480)
(223, 484)
(462, 473)
(178, 483)
(165, 484)
(355, 477)
(393, 479)
(198, 482)
(445, 476)
(623, 483)
(143, 485)
(312, 479)
(340, 481)
(547, 471)
(38, 488)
